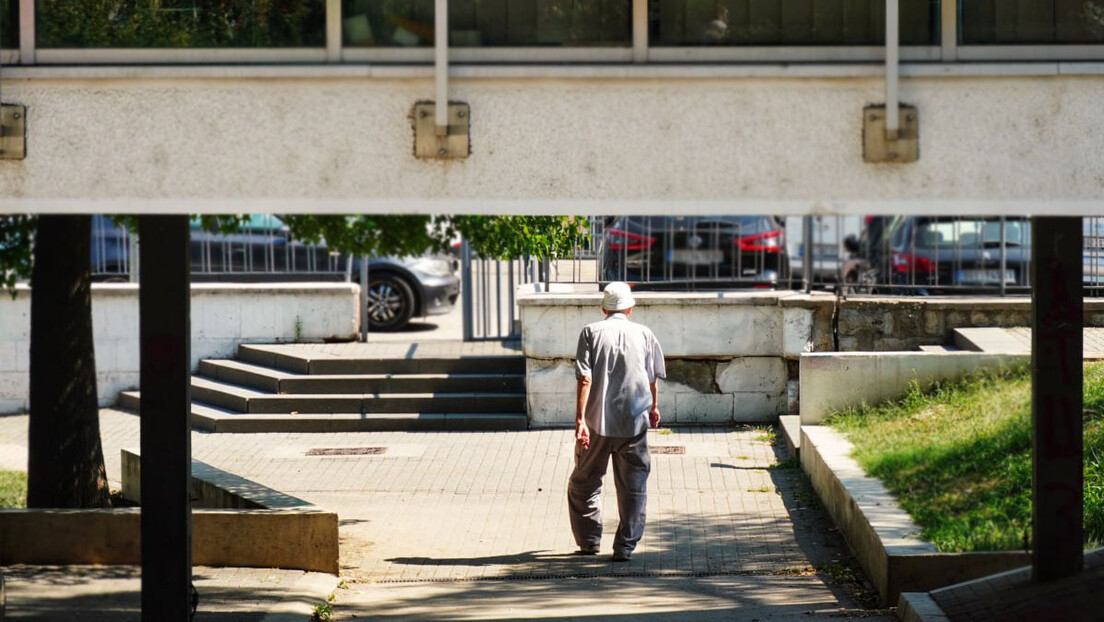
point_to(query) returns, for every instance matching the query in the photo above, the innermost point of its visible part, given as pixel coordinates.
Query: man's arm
(582, 393)
(653, 414)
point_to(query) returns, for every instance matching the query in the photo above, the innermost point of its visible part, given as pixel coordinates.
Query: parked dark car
(263, 250)
(694, 251)
(939, 255)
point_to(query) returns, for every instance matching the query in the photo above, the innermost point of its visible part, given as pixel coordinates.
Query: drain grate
(347, 451)
(671, 450)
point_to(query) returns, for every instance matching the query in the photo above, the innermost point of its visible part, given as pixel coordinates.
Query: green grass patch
(13, 489)
(958, 458)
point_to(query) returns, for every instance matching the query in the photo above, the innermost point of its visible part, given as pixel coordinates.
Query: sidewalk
(445, 526)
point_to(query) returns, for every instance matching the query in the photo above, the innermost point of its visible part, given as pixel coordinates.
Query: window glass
(788, 22)
(490, 23)
(9, 24)
(959, 233)
(180, 23)
(1032, 21)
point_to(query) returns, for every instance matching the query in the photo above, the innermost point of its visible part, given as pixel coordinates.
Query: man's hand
(582, 434)
(653, 416)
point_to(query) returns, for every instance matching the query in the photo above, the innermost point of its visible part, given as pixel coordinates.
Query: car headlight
(433, 266)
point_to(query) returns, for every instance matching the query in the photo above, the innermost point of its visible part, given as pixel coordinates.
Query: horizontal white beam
(542, 72)
(520, 205)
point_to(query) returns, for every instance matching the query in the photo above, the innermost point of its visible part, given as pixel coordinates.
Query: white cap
(618, 297)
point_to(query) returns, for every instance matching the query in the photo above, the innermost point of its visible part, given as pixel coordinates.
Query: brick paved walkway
(461, 506)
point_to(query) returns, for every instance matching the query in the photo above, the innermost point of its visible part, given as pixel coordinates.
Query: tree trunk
(65, 464)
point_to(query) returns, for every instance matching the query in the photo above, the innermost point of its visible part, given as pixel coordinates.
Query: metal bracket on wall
(13, 132)
(428, 143)
(881, 146)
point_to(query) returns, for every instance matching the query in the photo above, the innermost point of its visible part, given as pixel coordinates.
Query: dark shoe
(621, 556)
(587, 549)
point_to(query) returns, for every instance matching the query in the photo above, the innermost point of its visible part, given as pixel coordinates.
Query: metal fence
(262, 250)
(854, 256)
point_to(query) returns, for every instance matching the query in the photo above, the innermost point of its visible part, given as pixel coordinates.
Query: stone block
(216, 317)
(551, 410)
(258, 322)
(15, 391)
(550, 376)
(695, 375)
(666, 323)
(757, 407)
(15, 318)
(699, 408)
(9, 355)
(933, 323)
(763, 374)
(543, 332)
(980, 318)
(797, 331)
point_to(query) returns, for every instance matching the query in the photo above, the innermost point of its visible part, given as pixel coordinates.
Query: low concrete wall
(726, 352)
(882, 535)
(223, 316)
(832, 381)
(252, 538)
(212, 488)
(732, 356)
(252, 521)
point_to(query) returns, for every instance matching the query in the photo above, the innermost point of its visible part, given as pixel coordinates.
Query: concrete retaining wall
(835, 380)
(283, 538)
(726, 352)
(223, 316)
(733, 356)
(882, 536)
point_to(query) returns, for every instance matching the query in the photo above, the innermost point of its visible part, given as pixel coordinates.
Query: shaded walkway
(445, 525)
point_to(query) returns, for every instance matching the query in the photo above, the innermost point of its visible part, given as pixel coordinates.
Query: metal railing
(262, 252)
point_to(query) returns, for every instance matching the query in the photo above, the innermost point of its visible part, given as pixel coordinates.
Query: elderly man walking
(617, 365)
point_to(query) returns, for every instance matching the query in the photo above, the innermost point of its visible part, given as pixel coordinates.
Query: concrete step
(224, 394)
(215, 419)
(989, 340)
(274, 381)
(405, 383)
(243, 374)
(203, 416)
(244, 400)
(939, 349)
(307, 362)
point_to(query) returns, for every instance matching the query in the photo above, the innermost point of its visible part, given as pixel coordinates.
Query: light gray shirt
(622, 359)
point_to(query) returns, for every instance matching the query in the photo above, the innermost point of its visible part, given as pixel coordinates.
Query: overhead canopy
(286, 140)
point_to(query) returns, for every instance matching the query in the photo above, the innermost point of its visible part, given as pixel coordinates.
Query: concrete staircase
(276, 389)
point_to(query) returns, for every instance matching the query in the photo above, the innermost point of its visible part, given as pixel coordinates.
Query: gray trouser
(631, 464)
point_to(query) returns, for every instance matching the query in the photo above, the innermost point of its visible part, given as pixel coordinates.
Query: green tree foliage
(513, 237)
(180, 23)
(375, 235)
(16, 236)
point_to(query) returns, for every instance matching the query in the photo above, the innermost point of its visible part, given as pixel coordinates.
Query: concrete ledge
(242, 524)
(919, 607)
(832, 381)
(882, 536)
(212, 487)
(790, 426)
(303, 538)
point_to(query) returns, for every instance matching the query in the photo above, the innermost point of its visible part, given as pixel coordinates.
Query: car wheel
(390, 303)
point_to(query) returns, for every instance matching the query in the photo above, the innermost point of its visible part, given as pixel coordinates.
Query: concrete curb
(882, 536)
(919, 607)
(300, 600)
